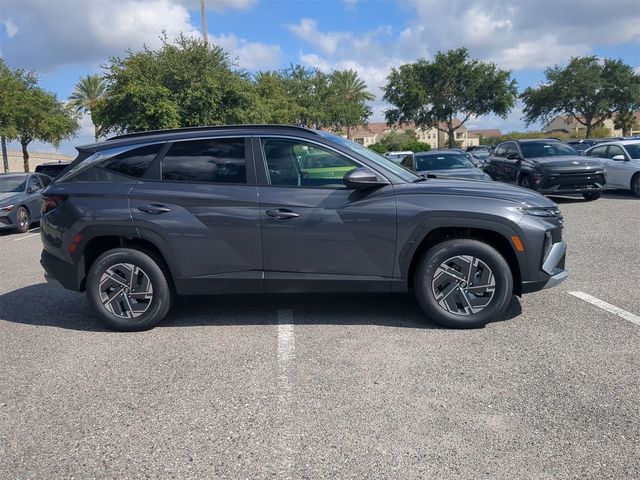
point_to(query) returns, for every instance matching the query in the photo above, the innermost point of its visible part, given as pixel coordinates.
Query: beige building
(565, 124)
(374, 132)
(16, 164)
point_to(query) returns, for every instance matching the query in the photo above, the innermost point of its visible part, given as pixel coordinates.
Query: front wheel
(589, 196)
(23, 220)
(525, 182)
(635, 184)
(128, 289)
(463, 283)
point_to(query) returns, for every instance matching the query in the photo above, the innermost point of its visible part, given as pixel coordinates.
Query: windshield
(444, 161)
(634, 150)
(399, 170)
(480, 153)
(546, 149)
(12, 184)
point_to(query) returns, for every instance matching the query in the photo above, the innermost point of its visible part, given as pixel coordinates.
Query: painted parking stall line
(631, 317)
(286, 354)
(25, 237)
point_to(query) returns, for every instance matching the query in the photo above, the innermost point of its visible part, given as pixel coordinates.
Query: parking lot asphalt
(331, 386)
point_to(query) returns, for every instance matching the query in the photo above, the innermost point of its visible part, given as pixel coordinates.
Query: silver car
(622, 162)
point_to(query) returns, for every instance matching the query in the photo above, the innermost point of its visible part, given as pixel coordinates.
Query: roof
(619, 142)
(15, 174)
(203, 129)
(487, 133)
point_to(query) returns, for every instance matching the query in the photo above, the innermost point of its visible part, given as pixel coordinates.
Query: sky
(66, 39)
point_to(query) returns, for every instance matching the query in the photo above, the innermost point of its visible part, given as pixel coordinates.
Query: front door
(317, 234)
(619, 172)
(204, 208)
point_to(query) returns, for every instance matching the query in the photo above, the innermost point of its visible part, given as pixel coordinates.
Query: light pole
(203, 14)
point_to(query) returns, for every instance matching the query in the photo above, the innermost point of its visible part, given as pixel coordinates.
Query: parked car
(479, 154)
(141, 218)
(398, 157)
(549, 166)
(622, 162)
(20, 200)
(581, 146)
(444, 164)
(52, 169)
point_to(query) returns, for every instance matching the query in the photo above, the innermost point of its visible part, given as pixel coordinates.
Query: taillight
(50, 202)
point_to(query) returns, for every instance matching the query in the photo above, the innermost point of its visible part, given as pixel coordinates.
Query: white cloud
(53, 34)
(250, 55)
(350, 4)
(219, 5)
(327, 42)
(9, 27)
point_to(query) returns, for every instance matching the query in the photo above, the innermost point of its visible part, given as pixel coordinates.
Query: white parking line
(26, 236)
(631, 317)
(286, 353)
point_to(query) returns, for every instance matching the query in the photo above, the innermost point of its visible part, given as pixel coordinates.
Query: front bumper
(7, 221)
(553, 266)
(560, 183)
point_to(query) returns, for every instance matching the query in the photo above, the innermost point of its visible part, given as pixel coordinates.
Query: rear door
(204, 210)
(512, 162)
(619, 172)
(316, 234)
(34, 200)
(600, 152)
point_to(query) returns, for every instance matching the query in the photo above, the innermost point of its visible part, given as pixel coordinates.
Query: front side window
(45, 180)
(302, 164)
(500, 151)
(615, 150)
(600, 151)
(133, 163)
(546, 149)
(219, 160)
(34, 183)
(633, 149)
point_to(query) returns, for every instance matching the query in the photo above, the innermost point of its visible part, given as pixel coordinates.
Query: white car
(622, 162)
(398, 157)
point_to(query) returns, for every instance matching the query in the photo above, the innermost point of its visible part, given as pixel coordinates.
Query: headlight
(7, 208)
(539, 211)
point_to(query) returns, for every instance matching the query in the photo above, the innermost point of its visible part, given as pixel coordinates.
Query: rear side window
(133, 162)
(600, 151)
(206, 161)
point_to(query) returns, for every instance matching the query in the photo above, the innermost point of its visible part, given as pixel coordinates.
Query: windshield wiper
(420, 179)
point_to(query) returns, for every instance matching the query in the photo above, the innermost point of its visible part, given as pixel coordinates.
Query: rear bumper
(66, 274)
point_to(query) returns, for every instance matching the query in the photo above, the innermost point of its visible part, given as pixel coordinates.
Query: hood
(472, 173)
(474, 188)
(568, 163)
(10, 197)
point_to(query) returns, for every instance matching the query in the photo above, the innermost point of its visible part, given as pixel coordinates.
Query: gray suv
(140, 218)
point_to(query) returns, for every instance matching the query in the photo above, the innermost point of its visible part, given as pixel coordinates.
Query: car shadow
(608, 194)
(41, 305)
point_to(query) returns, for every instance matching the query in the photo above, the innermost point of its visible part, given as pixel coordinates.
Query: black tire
(590, 196)
(525, 181)
(156, 308)
(429, 265)
(635, 184)
(23, 220)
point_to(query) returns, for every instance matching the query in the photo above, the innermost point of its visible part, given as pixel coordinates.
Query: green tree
(87, 94)
(378, 147)
(274, 104)
(625, 120)
(397, 140)
(185, 83)
(587, 89)
(310, 90)
(450, 88)
(349, 97)
(417, 146)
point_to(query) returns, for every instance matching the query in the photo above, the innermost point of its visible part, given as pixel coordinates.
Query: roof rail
(204, 128)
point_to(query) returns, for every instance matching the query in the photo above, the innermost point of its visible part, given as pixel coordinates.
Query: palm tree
(351, 90)
(625, 120)
(88, 92)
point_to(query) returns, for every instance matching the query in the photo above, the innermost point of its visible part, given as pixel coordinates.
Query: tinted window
(445, 161)
(634, 150)
(297, 163)
(45, 180)
(615, 150)
(511, 149)
(12, 184)
(500, 151)
(600, 151)
(133, 162)
(546, 149)
(207, 161)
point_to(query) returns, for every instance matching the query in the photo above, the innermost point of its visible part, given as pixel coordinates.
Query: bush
(417, 146)
(378, 147)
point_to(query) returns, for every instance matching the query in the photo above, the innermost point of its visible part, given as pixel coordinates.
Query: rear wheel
(463, 283)
(128, 289)
(23, 220)
(592, 195)
(635, 184)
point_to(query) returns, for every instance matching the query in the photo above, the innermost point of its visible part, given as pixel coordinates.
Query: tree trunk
(452, 138)
(95, 131)
(589, 128)
(5, 157)
(348, 132)
(25, 156)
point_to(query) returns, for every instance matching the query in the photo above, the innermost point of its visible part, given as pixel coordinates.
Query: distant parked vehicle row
(20, 199)
(548, 166)
(622, 163)
(398, 157)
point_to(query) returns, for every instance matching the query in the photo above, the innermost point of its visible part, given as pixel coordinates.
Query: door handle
(154, 209)
(282, 214)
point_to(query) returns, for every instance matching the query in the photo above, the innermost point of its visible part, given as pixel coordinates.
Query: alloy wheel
(22, 219)
(463, 285)
(125, 290)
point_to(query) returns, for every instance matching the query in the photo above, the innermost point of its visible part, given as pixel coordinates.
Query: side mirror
(362, 178)
(512, 156)
(619, 158)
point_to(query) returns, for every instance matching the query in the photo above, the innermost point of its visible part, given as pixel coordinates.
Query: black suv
(549, 166)
(140, 218)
